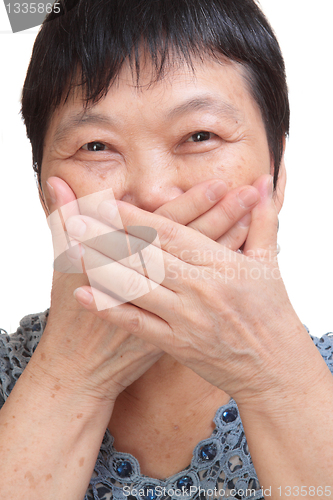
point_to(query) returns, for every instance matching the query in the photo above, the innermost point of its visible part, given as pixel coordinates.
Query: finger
(58, 193)
(175, 239)
(197, 200)
(139, 252)
(62, 203)
(126, 316)
(128, 350)
(65, 204)
(226, 213)
(262, 239)
(110, 242)
(121, 282)
(236, 236)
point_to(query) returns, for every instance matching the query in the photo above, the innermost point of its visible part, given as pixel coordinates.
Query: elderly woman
(204, 384)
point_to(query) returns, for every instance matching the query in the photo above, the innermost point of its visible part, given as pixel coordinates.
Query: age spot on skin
(57, 387)
(80, 415)
(31, 479)
(48, 477)
(81, 462)
(42, 356)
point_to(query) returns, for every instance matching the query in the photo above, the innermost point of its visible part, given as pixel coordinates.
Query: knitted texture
(221, 466)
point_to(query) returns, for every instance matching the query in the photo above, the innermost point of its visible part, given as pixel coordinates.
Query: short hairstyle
(87, 42)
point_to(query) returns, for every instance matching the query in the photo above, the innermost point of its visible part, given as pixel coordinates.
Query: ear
(278, 195)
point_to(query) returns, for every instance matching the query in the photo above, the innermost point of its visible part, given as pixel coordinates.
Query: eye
(201, 137)
(94, 146)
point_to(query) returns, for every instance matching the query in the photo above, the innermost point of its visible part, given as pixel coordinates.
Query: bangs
(90, 41)
(86, 44)
(110, 32)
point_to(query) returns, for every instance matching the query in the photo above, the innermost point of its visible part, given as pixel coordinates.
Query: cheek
(245, 172)
(238, 165)
(85, 180)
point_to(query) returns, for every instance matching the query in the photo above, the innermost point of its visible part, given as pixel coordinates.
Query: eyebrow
(81, 120)
(206, 103)
(209, 103)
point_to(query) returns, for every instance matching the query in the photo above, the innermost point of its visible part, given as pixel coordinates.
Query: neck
(168, 406)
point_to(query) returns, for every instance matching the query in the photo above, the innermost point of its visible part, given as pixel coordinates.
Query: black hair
(85, 43)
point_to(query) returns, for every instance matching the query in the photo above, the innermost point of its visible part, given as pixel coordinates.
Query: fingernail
(270, 187)
(82, 296)
(108, 210)
(51, 193)
(245, 221)
(75, 227)
(248, 197)
(216, 190)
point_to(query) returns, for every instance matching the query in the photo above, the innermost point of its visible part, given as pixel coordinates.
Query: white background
(305, 34)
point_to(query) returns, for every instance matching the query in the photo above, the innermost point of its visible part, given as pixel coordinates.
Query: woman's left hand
(225, 315)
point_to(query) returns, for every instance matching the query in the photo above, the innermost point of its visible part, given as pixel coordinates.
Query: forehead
(219, 87)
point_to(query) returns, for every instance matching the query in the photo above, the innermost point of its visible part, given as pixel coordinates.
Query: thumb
(58, 193)
(261, 242)
(62, 203)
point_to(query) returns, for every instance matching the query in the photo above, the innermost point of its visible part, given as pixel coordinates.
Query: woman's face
(152, 144)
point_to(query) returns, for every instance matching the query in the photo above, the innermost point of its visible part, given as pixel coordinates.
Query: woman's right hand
(87, 354)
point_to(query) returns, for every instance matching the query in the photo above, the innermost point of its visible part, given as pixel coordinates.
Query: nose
(152, 181)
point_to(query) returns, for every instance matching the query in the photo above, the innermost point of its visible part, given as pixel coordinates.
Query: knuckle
(198, 202)
(228, 211)
(164, 212)
(132, 286)
(138, 245)
(134, 321)
(149, 255)
(168, 233)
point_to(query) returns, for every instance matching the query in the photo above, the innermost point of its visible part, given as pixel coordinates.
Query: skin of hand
(232, 326)
(150, 157)
(117, 357)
